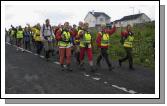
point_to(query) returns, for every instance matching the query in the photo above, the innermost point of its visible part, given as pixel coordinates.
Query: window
(101, 19)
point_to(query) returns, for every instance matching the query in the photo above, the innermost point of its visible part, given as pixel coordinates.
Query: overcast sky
(22, 14)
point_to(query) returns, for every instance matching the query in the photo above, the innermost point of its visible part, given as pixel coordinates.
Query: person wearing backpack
(128, 38)
(102, 41)
(48, 37)
(63, 37)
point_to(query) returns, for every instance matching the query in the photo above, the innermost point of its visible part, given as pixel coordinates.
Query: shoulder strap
(102, 33)
(43, 29)
(62, 31)
(51, 29)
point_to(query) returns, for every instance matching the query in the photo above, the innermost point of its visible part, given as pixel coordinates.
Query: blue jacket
(27, 36)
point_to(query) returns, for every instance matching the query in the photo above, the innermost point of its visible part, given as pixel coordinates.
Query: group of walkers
(71, 39)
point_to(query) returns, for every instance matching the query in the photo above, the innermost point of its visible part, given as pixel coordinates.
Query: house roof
(97, 14)
(130, 17)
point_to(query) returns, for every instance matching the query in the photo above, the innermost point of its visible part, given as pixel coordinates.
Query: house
(95, 19)
(132, 19)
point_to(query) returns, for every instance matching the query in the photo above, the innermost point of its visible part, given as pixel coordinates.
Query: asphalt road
(27, 73)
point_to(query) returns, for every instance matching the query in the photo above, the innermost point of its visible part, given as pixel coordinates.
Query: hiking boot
(98, 65)
(69, 68)
(110, 68)
(62, 67)
(131, 68)
(120, 63)
(92, 69)
(47, 59)
(82, 66)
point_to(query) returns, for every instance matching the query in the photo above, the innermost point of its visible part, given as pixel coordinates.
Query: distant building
(132, 19)
(95, 19)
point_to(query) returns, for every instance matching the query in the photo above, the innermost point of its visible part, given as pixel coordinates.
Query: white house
(96, 18)
(132, 19)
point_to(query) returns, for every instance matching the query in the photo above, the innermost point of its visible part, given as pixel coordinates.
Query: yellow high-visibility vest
(86, 40)
(128, 42)
(19, 34)
(12, 32)
(77, 41)
(36, 34)
(105, 39)
(66, 42)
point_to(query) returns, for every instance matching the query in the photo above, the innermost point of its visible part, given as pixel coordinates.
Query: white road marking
(20, 48)
(106, 82)
(28, 51)
(56, 62)
(96, 78)
(35, 54)
(132, 91)
(85, 74)
(124, 89)
(8, 43)
(41, 56)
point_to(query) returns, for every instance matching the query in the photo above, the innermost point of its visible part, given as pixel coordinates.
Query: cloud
(22, 14)
(54, 16)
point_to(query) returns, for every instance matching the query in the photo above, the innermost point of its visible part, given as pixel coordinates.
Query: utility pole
(133, 13)
(133, 9)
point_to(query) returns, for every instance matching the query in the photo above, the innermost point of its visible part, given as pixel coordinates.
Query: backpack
(44, 30)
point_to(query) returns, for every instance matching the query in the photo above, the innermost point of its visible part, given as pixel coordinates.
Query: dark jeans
(39, 47)
(27, 45)
(103, 54)
(128, 57)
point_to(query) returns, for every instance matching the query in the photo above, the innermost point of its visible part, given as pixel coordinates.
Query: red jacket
(99, 36)
(74, 32)
(124, 34)
(58, 34)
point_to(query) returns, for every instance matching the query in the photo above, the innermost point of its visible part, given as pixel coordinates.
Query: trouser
(27, 45)
(65, 53)
(89, 54)
(12, 39)
(33, 42)
(19, 42)
(39, 47)
(103, 54)
(128, 57)
(48, 46)
(77, 53)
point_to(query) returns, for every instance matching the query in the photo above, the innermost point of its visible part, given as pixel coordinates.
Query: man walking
(47, 36)
(103, 44)
(128, 38)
